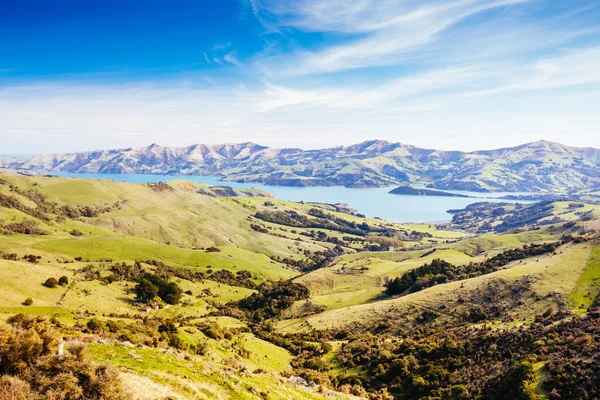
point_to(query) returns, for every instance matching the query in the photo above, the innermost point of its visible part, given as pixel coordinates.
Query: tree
(63, 281)
(170, 293)
(146, 290)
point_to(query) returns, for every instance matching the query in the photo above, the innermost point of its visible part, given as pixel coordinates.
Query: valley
(250, 296)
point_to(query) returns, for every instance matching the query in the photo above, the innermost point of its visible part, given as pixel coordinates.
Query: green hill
(192, 291)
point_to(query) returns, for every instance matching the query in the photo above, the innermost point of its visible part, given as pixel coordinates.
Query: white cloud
(369, 97)
(231, 58)
(386, 29)
(575, 67)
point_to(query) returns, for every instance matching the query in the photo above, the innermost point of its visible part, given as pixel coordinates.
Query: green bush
(63, 281)
(51, 283)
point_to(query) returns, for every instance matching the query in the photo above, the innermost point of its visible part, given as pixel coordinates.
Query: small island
(408, 190)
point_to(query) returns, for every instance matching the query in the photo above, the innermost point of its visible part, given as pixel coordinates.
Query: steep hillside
(539, 166)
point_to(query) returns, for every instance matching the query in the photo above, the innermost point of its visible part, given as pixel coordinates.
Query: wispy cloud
(575, 67)
(370, 97)
(380, 32)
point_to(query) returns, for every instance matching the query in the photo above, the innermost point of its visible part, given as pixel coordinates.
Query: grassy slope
(167, 226)
(334, 290)
(588, 284)
(552, 274)
(181, 217)
(154, 375)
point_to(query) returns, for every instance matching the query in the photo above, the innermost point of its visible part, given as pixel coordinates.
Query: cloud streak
(383, 31)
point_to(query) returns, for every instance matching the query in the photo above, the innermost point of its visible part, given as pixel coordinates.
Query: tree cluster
(271, 299)
(151, 286)
(471, 363)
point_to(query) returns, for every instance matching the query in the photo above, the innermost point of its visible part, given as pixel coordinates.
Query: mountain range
(533, 167)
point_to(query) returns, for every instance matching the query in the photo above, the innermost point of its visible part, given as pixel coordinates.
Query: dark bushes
(273, 298)
(151, 286)
(26, 227)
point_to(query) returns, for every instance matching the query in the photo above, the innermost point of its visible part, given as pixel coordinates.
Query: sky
(446, 74)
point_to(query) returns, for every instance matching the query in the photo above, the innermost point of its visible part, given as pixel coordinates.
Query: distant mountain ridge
(537, 166)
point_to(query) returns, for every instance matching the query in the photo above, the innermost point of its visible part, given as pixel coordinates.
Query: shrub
(212, 330)
(26, 227)
(31, 368)
(63, 281)
(12, 388)
(28, 301)
(31, 258)
(271, 299)
(201, 348)
(51, 283)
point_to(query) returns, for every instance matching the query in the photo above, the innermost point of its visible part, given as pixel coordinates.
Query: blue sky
(451, 74)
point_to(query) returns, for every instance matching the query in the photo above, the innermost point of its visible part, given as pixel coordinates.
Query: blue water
(371, 202)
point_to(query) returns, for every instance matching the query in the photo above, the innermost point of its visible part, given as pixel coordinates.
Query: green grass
(124, 248)
(588, 285)
(491, 242)
(21, 280)
(551, 274)
(152, 374)
(538, 380)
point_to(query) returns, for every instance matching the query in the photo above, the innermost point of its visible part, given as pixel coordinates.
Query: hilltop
(534, 167)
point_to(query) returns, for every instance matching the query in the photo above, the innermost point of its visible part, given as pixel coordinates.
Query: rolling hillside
(532, 167)
(252, 297)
